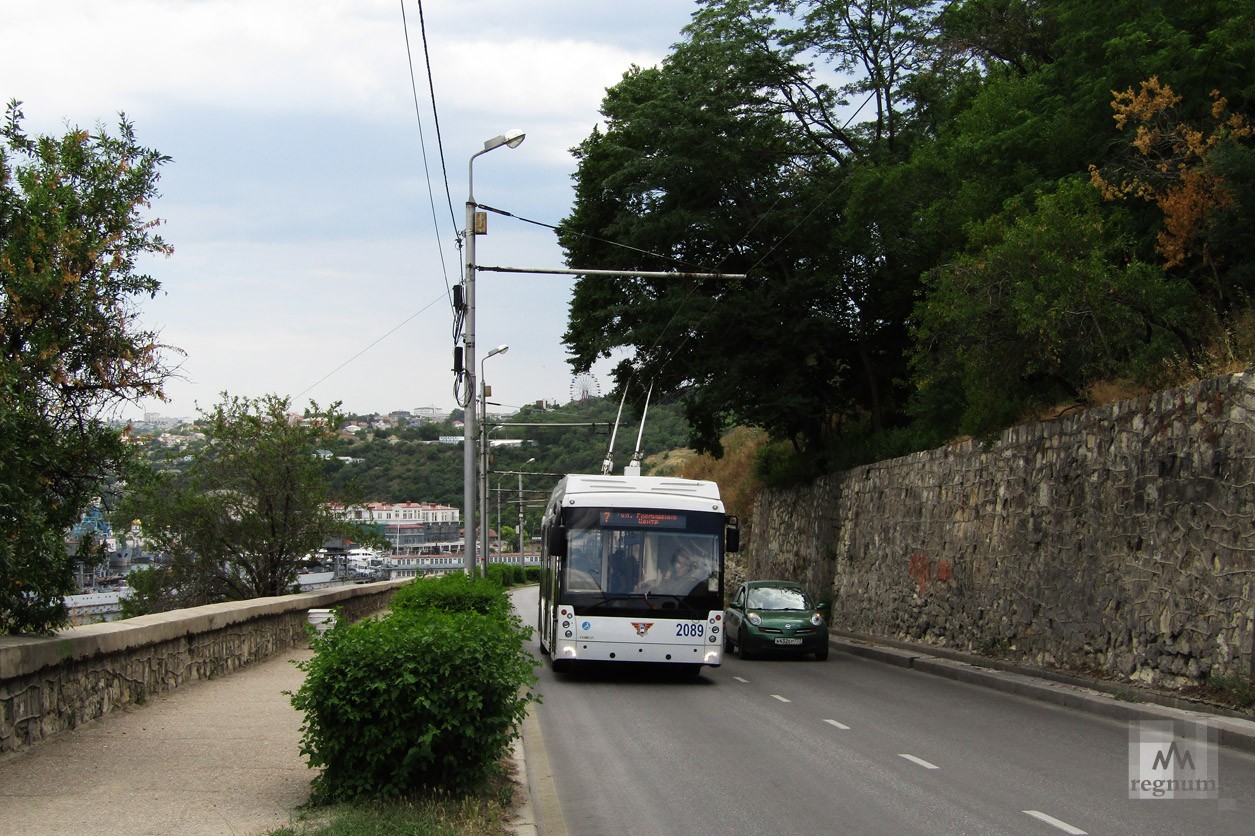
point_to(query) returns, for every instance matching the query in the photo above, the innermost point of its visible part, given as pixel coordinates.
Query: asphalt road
(846, 746)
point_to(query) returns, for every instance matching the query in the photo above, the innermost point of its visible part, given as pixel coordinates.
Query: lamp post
(522, 559)
(510, 139)
(483, 479)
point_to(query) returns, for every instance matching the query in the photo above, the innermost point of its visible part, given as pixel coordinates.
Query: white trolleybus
(633, 571)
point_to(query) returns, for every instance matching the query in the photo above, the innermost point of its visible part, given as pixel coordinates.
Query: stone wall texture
(1118, 541)
(51, 684)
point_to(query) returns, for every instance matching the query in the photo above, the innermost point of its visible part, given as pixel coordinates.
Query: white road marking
(782, 699)
(919, 761)
(1053, 822)
(740, 679)
(841, 726)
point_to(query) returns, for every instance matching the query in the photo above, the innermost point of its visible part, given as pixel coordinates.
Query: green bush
(454, 592)
(501, 574)
(419, 701)
(532, 574)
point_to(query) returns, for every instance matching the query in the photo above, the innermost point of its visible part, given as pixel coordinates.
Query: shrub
(422, 700)
(532, 574)
(501, 574)
(454, 592)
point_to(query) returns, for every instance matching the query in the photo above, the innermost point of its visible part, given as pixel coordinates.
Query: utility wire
(431, 198)
(396, 328)
(435, 114)
(422, 142)
(714, 302)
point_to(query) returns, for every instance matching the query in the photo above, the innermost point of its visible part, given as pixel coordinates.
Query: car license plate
(788, 641)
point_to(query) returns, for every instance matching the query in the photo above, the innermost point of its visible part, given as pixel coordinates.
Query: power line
(392, 331)
(422, 140)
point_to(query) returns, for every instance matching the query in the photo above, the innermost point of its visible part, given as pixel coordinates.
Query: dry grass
(734, 473)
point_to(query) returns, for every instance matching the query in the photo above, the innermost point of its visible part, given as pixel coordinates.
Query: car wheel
(742, 649)
(821, 655)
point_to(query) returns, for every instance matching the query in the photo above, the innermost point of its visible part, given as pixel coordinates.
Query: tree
(730, 157)
(72, 231)
(1171, 164)
(1052, 299)
(254, 501)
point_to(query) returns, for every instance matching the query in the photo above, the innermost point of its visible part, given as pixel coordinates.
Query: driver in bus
(686, 573)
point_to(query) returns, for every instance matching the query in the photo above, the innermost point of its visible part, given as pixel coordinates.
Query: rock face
(1120, 540)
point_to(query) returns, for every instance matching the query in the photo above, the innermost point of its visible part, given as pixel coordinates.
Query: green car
(775, 616)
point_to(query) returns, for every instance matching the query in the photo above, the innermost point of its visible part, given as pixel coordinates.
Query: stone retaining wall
(50, 684)
(1120, 540)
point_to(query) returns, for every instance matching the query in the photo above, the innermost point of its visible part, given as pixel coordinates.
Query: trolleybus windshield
(643, 557)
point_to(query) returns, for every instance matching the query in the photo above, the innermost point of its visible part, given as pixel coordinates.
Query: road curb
(541, 813)
(1233, 732)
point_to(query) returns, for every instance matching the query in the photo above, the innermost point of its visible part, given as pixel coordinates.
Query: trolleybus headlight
(753, 618)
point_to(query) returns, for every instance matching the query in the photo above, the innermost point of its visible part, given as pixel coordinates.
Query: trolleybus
(633, 571)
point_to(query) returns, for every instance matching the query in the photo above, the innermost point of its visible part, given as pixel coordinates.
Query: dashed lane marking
(1053, 822)
(841, 726)
(919, 761)
(740, 679)
(782, 699)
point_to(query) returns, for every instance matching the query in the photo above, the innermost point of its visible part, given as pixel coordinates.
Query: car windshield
(777, 598)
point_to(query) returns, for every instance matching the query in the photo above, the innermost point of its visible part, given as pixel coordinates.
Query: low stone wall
(1117, 541)
(50, 684)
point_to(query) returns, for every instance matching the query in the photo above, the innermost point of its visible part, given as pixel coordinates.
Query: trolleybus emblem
(642, 627)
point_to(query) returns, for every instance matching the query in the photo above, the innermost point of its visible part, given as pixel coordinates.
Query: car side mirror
(824, 606)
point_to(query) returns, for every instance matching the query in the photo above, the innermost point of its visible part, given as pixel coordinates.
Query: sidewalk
(216, 757)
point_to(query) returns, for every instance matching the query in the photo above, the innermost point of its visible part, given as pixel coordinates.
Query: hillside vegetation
(950, 217)
(410, 465)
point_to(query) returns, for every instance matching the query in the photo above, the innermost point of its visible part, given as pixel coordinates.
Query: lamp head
(501, 349)
(513, 138)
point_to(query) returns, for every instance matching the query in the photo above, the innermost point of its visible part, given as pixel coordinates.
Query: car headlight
(753, 618)
(817, 620)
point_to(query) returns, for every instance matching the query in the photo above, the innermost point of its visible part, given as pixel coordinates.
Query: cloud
(297, 200)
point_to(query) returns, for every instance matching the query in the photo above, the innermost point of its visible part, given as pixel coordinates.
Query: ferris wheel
(584, 386)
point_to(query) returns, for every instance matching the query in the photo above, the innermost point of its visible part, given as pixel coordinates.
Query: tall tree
(732, 155)
(73, 227)
(253, 502)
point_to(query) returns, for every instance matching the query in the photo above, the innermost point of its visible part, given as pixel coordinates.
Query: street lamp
(483, 479)
(510, 139)
(522, 559)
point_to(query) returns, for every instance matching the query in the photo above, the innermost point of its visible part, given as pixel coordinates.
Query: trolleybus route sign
(642, 519)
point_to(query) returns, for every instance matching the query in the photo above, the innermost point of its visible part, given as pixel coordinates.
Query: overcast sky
(307, 261)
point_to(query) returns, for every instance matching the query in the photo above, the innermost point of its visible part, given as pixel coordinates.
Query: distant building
(429, 413)
(411, 527)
